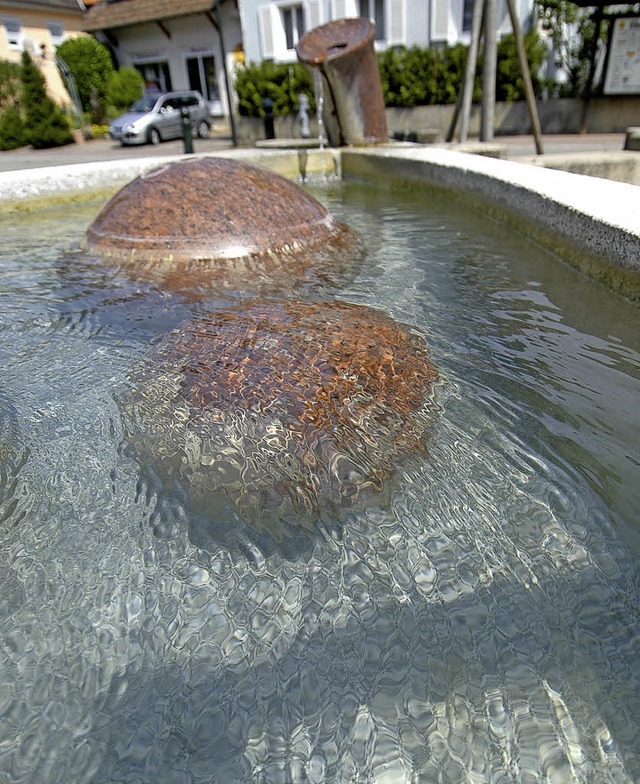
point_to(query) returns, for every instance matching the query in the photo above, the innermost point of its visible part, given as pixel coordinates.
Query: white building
(176, 45)
(271, 28)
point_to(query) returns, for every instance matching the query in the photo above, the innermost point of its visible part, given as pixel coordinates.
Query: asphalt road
(106, 149)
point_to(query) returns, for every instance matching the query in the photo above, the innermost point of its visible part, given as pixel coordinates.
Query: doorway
(201, 70)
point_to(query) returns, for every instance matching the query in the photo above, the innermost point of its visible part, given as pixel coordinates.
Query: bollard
(187, 136)
(267, 108)
(303, 115)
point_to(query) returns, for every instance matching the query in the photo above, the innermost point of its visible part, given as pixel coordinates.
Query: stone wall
(557, 115)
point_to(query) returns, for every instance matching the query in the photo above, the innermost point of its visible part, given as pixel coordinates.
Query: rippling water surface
(484, 626)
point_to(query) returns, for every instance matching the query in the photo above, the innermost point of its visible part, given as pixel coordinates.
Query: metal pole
(470, 71)
(526, 77)
(586, 98)
(227, 83)
(489, 67)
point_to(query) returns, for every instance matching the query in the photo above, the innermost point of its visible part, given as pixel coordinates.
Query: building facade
(38, 28)
(272, 28)
(175, 45)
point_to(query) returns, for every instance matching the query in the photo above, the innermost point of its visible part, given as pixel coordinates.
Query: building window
(201, 70)
(56, 31)
(467, 16)
(374, 10)
(293, 22)
(156, 76)
(13, 29)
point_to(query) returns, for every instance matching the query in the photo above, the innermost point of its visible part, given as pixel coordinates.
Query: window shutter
(504, 20)
(439, 20)
(266, 32)
(396, 24)
(343, 9)
(314, 14)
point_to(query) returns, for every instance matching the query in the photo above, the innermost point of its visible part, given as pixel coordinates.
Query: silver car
(156, 117)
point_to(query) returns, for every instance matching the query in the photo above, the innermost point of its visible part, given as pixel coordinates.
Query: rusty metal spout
(343, 52)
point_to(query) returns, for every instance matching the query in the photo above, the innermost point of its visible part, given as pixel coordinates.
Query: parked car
(156, 117)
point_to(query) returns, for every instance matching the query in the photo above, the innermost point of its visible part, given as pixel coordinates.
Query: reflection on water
(483, 626)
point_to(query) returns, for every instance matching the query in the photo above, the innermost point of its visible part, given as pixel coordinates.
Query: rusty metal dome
(283, 407)
(205, 222)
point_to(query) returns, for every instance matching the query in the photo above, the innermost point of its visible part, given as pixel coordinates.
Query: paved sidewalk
(102, 150)
(106, 150)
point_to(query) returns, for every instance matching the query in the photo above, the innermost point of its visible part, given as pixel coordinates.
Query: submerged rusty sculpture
(283, 408)
(342, 52)
(206, 223)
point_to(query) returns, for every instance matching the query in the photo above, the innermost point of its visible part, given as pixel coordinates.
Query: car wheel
(154, 136)
(203, 130)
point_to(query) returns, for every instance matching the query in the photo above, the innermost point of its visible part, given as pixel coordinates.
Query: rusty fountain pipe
(342, 50)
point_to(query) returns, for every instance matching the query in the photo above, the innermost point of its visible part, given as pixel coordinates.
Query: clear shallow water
(484, 627)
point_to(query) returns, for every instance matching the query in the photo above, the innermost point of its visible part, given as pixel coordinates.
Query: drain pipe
(232, 121)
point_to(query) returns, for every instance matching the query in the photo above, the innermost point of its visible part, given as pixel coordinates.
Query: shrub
(12, 131)
(125, 86)
(91, 67)
(280, 82)
(420, 76)
(509, 81)
(46, 124)
(9, 83)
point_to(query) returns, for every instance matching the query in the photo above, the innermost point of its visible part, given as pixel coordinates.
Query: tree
(12, 131)
(9, 83)
(125, 87)
(91, 67)
(571, 31)
(46, 124)
(510, 81)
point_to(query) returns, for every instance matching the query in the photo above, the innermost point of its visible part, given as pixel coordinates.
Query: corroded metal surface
(283, 408)
(343, 52)
(206, 222)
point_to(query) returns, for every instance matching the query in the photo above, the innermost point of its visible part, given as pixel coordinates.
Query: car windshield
(144, 104)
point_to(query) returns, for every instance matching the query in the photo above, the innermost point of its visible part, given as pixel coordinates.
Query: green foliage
(91, 67)
(46, 124)
(509, 81)
(12, 132)
(419, 76)
(9, 83)
(124, 87)
(280, 82)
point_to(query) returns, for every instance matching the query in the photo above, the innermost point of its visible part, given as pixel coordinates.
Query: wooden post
(586, 98)
(470, 72)
(489, 67)
(526, 76)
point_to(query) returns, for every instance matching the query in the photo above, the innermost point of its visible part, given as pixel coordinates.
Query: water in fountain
(318, 89)
(482, 626)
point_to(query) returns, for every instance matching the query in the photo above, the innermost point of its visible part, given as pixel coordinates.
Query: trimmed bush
(9, 83)
(509, 81)
(46, 124)
(280, 82)
(12, 131)
(125, 86)
(421, 76)
(90, 64)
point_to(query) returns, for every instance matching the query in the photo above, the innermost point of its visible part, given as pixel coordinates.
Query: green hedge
(281, 83)
(414, 76)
